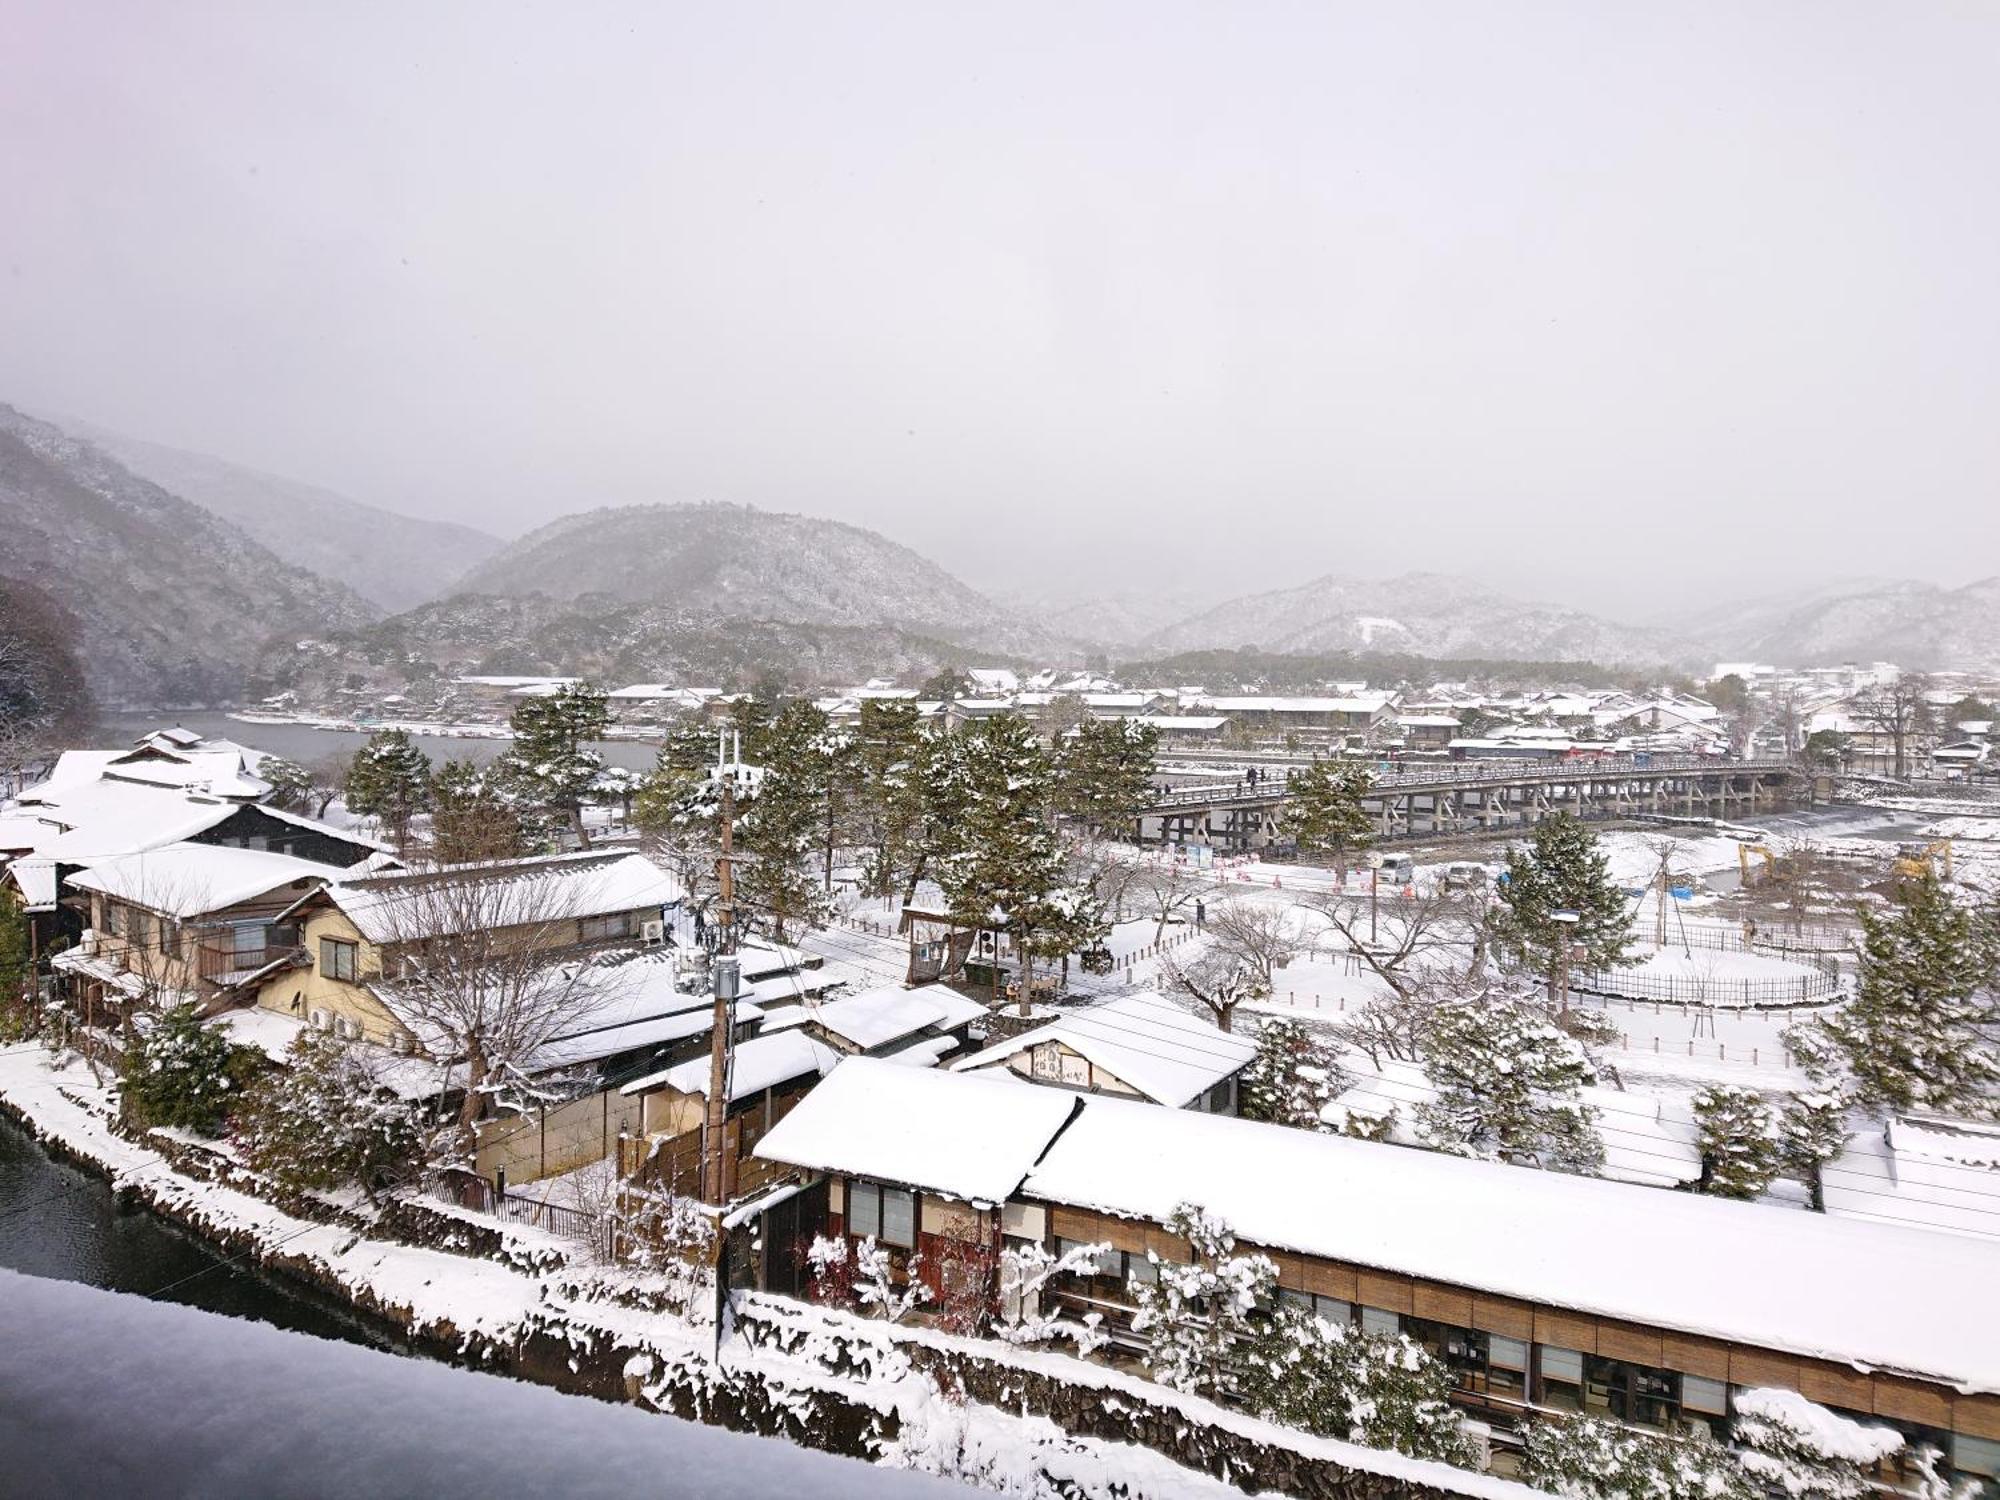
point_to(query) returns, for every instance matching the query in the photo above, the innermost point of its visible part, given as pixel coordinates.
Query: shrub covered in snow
(180, 1073)
(323, 1121)
(1795, 1447)
(876, 1283)
(1594, 1458)
(1194, 1315)
(1025, 1270)
(1336, 1381)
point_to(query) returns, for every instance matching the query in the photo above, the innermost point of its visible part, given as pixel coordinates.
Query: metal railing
(1498, 773)
(1817, 988)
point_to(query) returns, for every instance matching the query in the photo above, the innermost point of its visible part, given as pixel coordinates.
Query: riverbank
(1022, 1421)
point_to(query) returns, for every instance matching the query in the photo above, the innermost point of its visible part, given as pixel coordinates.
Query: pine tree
(1507, 1082)
(1294, 1075)
(1740, 1152)
(1335, 1381)
(390, 779)
(291, 783)
(888, 795)
(780, 825)
(1006, 864)
(1104, 774)
(551, 766)
(1918, 1033)
(1195, 1313)
(1597, 1458)
(323, 1121)
(179, 1073)
(1812, 1132)
(17, 993)
(470, 819)
(1561, 870)
(1323, 812)
(1792, 1446)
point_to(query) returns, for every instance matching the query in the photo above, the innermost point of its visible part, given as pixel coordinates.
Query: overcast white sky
(1227, 294)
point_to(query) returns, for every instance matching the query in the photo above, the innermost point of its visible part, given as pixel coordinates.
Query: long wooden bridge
(1465, 797)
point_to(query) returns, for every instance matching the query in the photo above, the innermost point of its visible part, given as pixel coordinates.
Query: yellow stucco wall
(299, 992)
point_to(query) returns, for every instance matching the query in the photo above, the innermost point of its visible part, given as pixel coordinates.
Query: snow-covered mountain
(735, 562)
(392, 559)
(1918, 625)
(173, 603)
(1422, 614)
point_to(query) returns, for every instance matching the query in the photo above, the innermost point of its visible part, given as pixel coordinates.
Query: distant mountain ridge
(174, 604)
(394, 560)
(736, 562)
(1423, 614)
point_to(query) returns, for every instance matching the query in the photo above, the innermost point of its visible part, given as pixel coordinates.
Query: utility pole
(724, 973)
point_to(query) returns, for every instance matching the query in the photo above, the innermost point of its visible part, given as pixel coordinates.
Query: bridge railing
(1460, 773)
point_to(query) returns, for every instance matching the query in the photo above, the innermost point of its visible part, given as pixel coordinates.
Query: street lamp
(1568, 919)
(1374, 890)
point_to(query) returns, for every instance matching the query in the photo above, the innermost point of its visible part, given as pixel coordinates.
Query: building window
(1378, 1320)
(886, 1213)
(249, 939)
(1704, 1405)
(1327, 1309)
(1975, 1455)
(114, 919)
(337, 960)
(1562, 1377)
(606, 929)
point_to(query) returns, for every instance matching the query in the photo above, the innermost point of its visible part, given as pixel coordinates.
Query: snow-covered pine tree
(1596, 1458)
(1561, 870)
(1104, 774)
(1295, 1074)
(1738, 1137)
(551, 766)
(1507, 1083)
(389, 780)
(1336, 1381)
(1006, 863)
(1796, 1447)
(779, 828)
(291, 783)
(1918, 1033)
(1812, 1131)
(470, 819)
(888, 801)
(325, 1121)
(1195, 1314)
(1323, 812)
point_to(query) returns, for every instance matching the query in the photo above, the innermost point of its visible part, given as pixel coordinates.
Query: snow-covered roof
(1190, 722)
(187, 880)
(1142, 1039)
(21, 832)
(972, 1138)
(762, 1062)
(1428, 721)
(517, 893)
(108, 818)
(35, 879)
(1877, 1294)
(1359, 703)
(1974, 1143)
(875, 1018)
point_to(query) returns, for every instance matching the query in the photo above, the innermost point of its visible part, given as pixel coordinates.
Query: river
(59, 1221)
(306, 743)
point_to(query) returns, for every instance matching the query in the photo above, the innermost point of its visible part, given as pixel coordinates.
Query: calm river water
(59, 1221)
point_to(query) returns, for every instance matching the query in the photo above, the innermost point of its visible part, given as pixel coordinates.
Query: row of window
(1514, 1373)
(887, 1213)
(340, 959)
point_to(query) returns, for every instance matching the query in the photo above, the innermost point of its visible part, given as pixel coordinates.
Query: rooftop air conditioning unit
(652, 934)
(321, 1020)
(346, 1029)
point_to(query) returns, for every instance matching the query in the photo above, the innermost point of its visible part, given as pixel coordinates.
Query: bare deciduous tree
(1248, 942)
(486, 967)
(1404, 937)
(1900, 711)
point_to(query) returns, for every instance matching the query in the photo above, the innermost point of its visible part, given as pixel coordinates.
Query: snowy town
(1630, 1124)
(1111, 752)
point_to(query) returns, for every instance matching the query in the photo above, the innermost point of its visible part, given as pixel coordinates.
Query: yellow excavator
(1914, 861)
(1743, 853)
